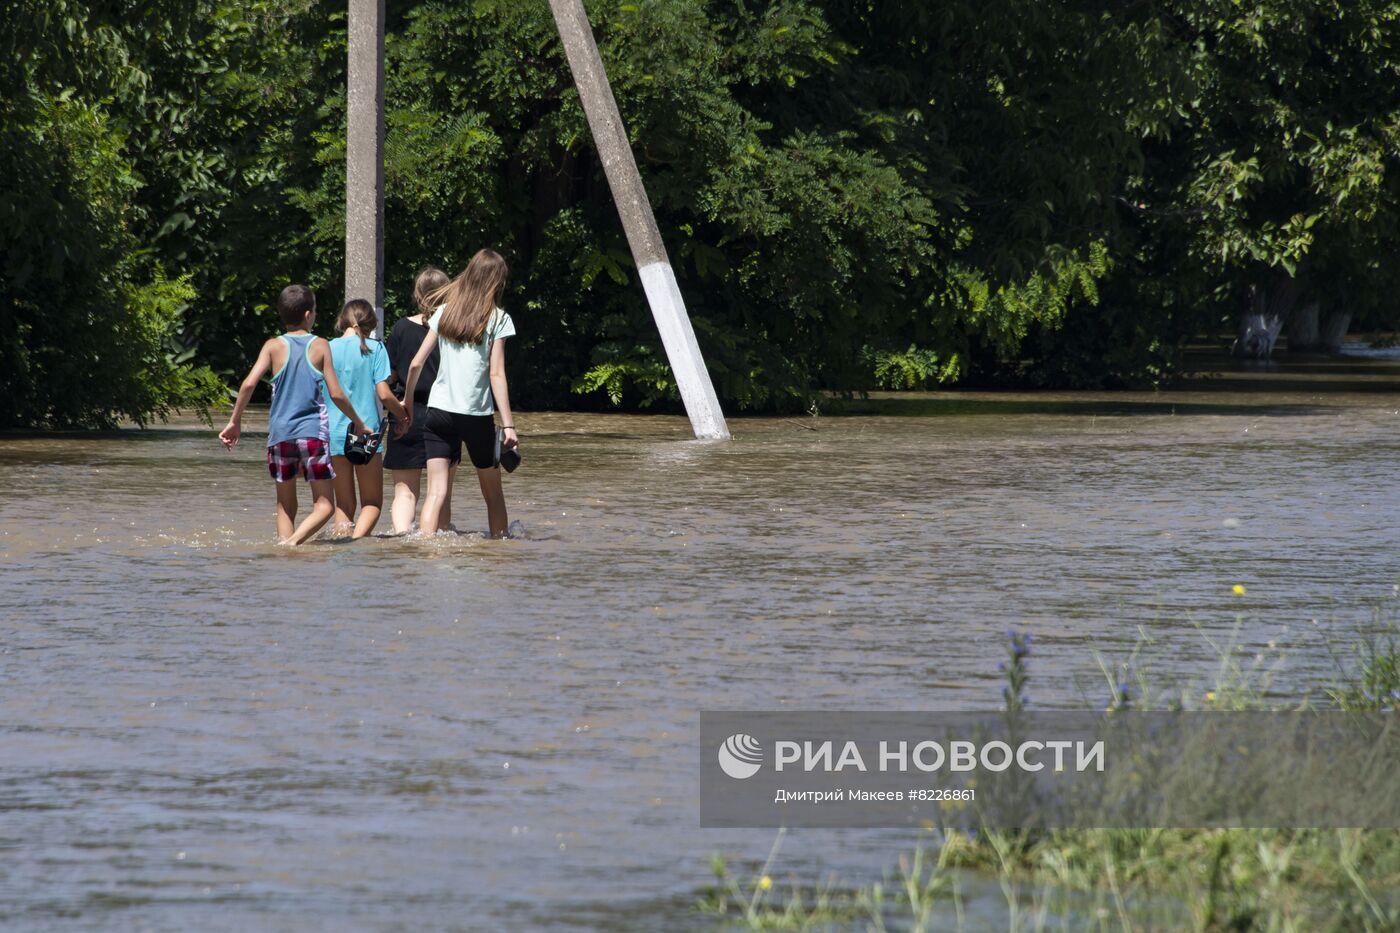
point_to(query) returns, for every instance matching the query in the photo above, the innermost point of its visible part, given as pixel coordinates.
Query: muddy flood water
(202, 730)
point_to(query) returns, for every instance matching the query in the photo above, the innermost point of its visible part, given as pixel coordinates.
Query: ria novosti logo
(740, 756)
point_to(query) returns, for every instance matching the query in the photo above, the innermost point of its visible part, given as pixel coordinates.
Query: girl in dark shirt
(406, 457)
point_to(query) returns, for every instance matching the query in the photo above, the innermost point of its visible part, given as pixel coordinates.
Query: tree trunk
(1261, 323)
(1302, 329)
(1334, 331)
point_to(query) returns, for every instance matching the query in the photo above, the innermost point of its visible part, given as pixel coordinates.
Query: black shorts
(406, 453)
(444, 432)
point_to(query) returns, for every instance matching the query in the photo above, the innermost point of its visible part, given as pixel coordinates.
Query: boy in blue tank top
(297, 429)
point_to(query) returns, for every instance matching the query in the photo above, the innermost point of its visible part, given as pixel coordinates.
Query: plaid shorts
(309, 456)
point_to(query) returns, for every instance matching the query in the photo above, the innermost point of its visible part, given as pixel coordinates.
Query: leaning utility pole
(364, 157)
(638, 221)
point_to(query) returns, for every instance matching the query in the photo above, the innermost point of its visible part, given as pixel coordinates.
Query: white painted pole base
(678, 337)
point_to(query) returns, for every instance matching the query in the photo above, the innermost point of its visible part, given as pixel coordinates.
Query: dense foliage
(893, 193)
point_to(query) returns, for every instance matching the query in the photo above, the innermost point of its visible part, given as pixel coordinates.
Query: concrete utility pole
(364, 157)
(653, 266)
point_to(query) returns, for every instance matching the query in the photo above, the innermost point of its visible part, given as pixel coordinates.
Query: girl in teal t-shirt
(362, 365)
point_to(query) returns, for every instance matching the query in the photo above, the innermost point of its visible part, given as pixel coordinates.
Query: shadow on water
(133, 433)
(1290, 386)
(935, 407)
(1285, 385)
(1276, 383)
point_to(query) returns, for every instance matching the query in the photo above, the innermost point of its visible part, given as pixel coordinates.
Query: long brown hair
(469, 299)
(428, 281)
(358, 314)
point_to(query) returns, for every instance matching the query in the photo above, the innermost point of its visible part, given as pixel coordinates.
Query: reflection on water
(201, 728)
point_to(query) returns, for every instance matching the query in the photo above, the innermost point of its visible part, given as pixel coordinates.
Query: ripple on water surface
(204, 728)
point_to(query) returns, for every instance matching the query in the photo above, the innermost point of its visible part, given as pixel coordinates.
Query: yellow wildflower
(765, 883)
(1238, 589)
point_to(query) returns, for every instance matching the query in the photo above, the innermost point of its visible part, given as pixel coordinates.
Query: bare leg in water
(439, 473)
(322, 506)
(369, 477)
(406, 485)
(344, 483)
(405, 499)
(491, 491)
(445, 516)
(286, 510)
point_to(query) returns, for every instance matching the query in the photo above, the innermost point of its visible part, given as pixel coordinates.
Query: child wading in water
(406, 456)
(470, 330)
(297, 436)
(362, 366)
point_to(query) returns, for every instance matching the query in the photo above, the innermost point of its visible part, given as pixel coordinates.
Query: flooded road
(200, 729)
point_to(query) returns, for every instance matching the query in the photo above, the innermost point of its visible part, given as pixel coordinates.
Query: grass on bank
(1121, 879)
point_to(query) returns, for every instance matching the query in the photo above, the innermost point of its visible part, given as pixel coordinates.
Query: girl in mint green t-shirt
(469, 330)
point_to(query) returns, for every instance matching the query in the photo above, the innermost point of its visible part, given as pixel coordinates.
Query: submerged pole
(364, 157)
(638, 221)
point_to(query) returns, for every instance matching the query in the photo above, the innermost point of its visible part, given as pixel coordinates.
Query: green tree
(91, 321)
(1271, 189)
(891, 193)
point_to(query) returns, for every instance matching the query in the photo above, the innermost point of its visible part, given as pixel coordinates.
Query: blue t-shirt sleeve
(381, 363)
